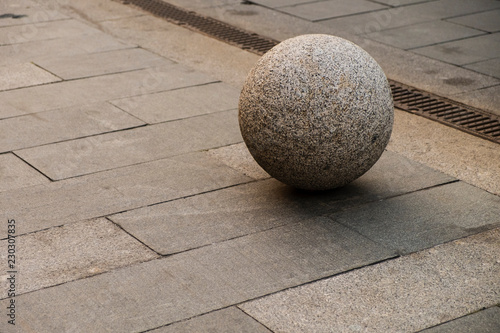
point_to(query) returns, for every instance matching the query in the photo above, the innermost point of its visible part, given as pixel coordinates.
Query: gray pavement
(138, 208)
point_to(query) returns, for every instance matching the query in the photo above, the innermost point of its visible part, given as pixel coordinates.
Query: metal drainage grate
(443, 110)
(207, 25)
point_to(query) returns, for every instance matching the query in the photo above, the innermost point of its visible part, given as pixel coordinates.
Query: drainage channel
(410, 99)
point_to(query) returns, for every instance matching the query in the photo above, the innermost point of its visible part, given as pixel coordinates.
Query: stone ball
(316, 112)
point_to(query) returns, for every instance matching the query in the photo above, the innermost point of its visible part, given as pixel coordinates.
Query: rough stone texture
(485, 321)
(71, 252)
(148, 295)
(237, 157)
(62, 124)
(212, 217)
(228, 320)
(181, 103)
(458, 210)
(117, 149)
(24, 75)
(316, 112)
(113, 191)
(461, 155)
(15, 174)
(403, 295)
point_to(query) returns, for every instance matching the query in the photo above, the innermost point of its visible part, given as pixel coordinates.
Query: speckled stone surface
(316, 112)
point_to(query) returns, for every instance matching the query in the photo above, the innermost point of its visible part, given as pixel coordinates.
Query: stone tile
(464, 51)
(489, 67)
(485, 321)
(99, 11)
(182, 286)
(443, 9)
(400, 16)
(48, 30)
(402, 295)
(24, 75)
(86, 65)
(63, 124)
(315, 11)
(72, 252)
(428, 74)
(26, 12)
(234, 212)
(181, 103)
(98, 89)
(486, 21)
(239, 158)
(423, 34)
(59, 47)
(426, 218)
(376, 21)
(107, 151)
(15, 173)
(486, 99)
(110, 192)
(228, 320)
(461, 155)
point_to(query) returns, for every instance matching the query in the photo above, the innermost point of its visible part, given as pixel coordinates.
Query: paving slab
(402, 295)
(489, 67)
(203, 54)
(24, 75)
(486, 99)
(484, 321)
(63, 124)
(15, 173)
(234, 212)
(97, 12)
(228, 320)
(181, 103)
(454, 210)
(24, 12)
(112, 150)
(423, 34)
(48, 30)
(465, 51)
(57, 203)
(315, 11)
(375, 21)
(87, 65)
(72, 252)
(159, 292)
(427, 74)
(59, 47)
(98, 89)
(461, 155)
(239, 158)
(485, 21)
(443, 9)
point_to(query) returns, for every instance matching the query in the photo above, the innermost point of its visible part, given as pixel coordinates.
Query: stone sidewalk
(447, 42)
(137, 207)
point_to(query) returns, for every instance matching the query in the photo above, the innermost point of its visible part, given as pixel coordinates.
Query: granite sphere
(316, 112)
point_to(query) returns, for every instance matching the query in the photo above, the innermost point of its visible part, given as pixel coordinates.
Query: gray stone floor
(139, 209)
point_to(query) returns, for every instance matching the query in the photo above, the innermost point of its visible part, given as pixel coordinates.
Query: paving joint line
(78, 138)
(133, 236)
(31, 166)
(83, 278)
